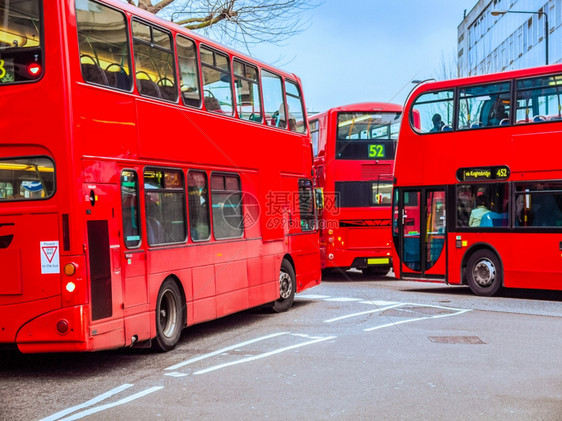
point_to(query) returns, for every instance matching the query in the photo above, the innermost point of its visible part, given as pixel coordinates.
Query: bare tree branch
(236, 22)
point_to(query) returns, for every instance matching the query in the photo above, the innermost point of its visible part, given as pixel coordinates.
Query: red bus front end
(354, 147)
(478, 187)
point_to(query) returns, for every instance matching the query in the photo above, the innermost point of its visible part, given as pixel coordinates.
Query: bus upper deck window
(21, 52)
(435, 112)
(29, 178)
(104, 46)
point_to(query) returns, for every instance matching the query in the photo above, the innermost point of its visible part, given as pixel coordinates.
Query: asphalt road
(349, 349)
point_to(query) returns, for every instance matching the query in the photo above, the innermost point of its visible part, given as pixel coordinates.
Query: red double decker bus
(137, 190)
(354, 148)
(478, 184)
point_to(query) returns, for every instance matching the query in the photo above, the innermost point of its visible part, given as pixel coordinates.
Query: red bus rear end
(135, 193)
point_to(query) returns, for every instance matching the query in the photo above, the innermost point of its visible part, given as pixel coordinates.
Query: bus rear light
(69, 269)
(70, 287)
(330, 232)
(34, 69)
(331, 256)
(62, 326)
(331, 240)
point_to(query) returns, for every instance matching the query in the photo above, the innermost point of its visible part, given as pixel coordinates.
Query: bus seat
(118, 80)
(93, 73)
(494, 219)
(169, 92)
(476, 125)
(486, 220)
(148, 87)
(212, 104)
(446, 128)
(504, 122)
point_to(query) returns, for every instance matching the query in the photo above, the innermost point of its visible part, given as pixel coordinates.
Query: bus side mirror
(319, 195)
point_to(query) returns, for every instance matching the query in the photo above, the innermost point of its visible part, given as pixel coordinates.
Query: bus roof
(483, 79)
(362, 106)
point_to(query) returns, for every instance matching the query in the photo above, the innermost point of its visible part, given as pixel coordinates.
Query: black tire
(287, 288)
(169, 316)
(375, 271)
(484, 273)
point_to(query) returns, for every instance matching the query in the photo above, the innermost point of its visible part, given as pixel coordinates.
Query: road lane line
(311, 296)
(91, 402)
(370, 329)
(220, 351)
(342, 299)
(376, 310)
(378, 303)
(260, 356)
(112, 405)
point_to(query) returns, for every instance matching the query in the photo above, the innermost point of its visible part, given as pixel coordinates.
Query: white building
(489, 43)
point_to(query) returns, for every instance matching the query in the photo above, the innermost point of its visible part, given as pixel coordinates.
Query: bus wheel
(169, 316)
(287, 288)
(484, 273)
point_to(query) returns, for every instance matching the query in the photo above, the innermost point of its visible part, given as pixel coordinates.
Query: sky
(369, 50)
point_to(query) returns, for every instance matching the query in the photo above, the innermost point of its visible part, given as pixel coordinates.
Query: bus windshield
(367, 135)
(21, 55)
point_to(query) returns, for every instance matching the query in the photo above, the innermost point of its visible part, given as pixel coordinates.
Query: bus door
(103, 254)
(133, 261)
(420, 227)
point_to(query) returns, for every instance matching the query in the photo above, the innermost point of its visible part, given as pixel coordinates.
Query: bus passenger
(499, 116)
(437, 123)
(478, 212)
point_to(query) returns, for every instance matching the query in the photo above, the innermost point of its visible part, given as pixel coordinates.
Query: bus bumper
(61, 330)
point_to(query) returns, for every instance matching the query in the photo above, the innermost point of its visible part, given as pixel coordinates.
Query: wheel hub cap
(285, 285)
(484, 273)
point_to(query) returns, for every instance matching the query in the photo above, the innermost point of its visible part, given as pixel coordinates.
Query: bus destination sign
(501, 172)
(376, 150)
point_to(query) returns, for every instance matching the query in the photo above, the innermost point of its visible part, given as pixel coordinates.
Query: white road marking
(383, 305)
(456, 313)
(91, 402)
(312, 296)
(264, 355)
(378, 303)
(111, 405)
(376, 310)
(342, 299)
(220, 351)
(176, 374)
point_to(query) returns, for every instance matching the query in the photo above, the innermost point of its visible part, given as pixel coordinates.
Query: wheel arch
(174, 278)
(291, 261)
(473, 249)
